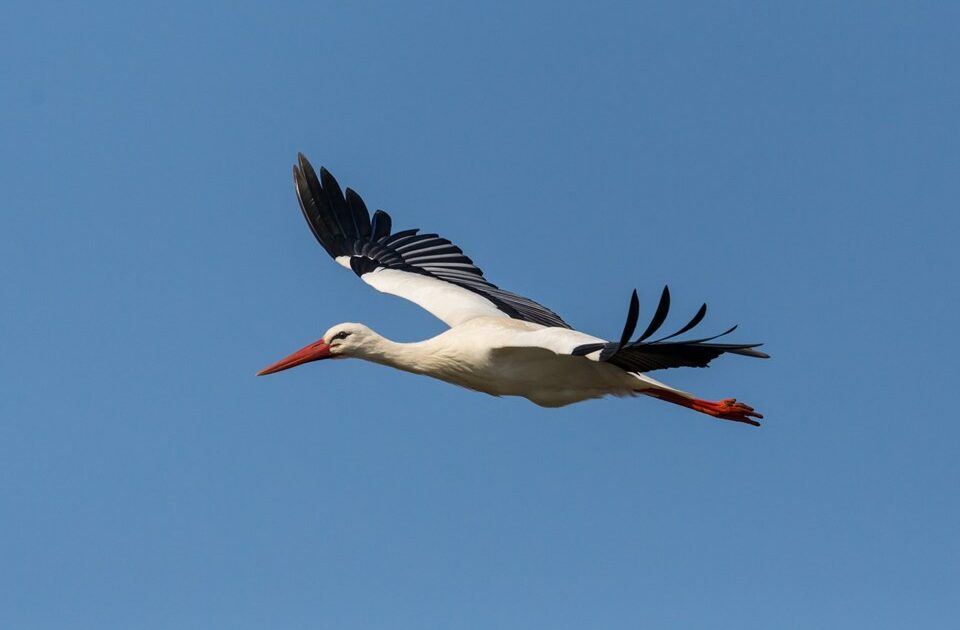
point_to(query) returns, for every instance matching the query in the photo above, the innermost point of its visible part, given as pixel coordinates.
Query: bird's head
(340, 342)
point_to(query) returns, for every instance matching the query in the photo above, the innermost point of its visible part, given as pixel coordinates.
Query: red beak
(314, 352)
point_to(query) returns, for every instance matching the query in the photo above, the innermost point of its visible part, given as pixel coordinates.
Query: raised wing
(644, 356)
(424, 268)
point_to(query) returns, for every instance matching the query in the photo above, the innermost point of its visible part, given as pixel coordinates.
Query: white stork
(499, 343)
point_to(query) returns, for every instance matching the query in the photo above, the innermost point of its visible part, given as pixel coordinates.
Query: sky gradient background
(795, 166)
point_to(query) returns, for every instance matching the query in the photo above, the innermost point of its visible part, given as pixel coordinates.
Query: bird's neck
(412, 357)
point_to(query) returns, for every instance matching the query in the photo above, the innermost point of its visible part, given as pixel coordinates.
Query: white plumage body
(507, 357)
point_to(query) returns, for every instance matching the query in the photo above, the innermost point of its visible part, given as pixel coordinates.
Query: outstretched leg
(728, 409)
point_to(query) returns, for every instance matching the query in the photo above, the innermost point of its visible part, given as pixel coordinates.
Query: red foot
(728, 409)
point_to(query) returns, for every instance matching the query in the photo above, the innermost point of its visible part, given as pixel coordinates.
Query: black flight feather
(380, 226)
(693, 322)
(659, 316)
(361, 216)
(633, 314)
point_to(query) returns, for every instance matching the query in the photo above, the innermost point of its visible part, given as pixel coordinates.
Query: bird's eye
(341, 335)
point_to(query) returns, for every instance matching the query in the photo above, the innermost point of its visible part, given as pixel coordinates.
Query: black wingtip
(361, 216)
(691, 324)
(310, 175)
(380, 225)
(633, 314)
(659, 316)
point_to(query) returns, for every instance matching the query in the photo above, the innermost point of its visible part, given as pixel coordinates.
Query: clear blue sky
(796, 166)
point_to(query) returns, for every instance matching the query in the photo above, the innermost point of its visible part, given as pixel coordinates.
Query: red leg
(728, 409)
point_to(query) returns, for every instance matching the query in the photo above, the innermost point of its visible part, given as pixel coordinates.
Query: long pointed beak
(314, 352)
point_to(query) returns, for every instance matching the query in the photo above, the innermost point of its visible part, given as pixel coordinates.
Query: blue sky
(794, 165)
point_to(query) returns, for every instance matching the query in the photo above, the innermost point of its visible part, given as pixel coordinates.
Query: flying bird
(499, 343)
